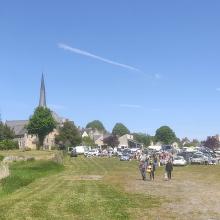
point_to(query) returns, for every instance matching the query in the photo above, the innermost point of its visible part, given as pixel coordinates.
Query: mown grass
(25, 172)
(58, 197)
(61, 196)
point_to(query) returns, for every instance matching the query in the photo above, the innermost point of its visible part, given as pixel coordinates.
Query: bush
(8, 145)
(54, 148)
(15, 144)
(31, 159)
(27, 149)
(2, 157)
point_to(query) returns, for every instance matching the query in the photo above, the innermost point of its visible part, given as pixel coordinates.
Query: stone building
(21, 134)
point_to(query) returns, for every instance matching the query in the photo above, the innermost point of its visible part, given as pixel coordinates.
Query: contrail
(65, 47)
(134, 106)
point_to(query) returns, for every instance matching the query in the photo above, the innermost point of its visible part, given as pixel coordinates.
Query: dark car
(74, 153)
(187, 155)
(125, 157)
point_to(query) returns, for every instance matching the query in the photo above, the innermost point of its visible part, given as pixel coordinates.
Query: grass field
(103, 188)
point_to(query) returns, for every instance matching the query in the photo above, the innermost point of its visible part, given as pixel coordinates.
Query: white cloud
(158, 76)
(218, 89)
(133, 106)
(52, 106)
(65, 47)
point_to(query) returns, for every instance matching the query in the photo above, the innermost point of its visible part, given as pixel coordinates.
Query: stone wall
(10, 159)
(4, 170)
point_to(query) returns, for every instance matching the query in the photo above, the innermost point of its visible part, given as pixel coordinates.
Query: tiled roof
(17, 125)
(96, 137)
(106, 135)
(57, 118)
(23, 131)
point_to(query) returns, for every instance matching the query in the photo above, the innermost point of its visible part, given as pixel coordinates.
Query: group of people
(147, 166)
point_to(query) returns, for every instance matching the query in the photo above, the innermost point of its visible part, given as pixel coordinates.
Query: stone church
(21, 134)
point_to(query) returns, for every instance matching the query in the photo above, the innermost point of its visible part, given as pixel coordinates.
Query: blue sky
(141, 63)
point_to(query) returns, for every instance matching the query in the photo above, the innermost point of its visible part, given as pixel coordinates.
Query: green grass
(57, 197)
(25, 172)
(61, 196)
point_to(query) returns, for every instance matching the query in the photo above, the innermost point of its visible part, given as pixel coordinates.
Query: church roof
(58, 119)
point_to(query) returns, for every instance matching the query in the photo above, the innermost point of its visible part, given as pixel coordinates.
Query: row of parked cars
(198, 157)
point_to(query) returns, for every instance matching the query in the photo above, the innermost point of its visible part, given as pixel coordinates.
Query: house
(184, 141)
(175, 145)
(128, 140)
(159, 143)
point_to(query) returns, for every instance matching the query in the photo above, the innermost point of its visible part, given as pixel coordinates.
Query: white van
(80, 150)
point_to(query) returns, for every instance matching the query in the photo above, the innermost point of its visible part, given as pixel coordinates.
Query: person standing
(169, 169)
(152, 171)
(155, 160)
(143, 167)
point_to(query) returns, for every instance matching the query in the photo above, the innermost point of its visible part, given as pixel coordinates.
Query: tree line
(41, 123)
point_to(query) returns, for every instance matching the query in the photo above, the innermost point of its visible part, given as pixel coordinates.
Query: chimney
(83, 128)
(79, 127)
(186, 140)
(217, 137)
(67, 120)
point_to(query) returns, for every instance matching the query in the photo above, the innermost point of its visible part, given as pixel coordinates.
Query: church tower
(42, 101)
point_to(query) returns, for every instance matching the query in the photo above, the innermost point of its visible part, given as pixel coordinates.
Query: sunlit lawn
(73, 194)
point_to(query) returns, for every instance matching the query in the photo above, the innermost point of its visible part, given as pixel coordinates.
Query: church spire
(42, 101)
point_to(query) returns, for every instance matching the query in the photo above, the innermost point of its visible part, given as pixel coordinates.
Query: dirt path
(186, 198)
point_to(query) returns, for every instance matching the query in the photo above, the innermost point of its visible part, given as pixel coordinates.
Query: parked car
(179, 160)
(187, 155)
(132, 152)
(197, 159)
(125, 157)
(93, 152)
(74, 153)
(70, 150)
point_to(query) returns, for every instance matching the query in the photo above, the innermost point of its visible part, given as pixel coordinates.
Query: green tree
(8, 132)
(96, 124)
(195, 141)
(189, 145)
(41, 123)
(120, 130)
(166, 135)
(142, 138)
(68, 133)
(1, 129)
(88, 141)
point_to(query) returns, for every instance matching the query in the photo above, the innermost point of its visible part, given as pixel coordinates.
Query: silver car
(197, 159)
(179, 161)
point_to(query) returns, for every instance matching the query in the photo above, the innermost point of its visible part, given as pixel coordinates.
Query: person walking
(169, 169)
(152, 170)
(143, 167)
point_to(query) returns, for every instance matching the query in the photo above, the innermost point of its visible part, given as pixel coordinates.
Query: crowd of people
(149, 163)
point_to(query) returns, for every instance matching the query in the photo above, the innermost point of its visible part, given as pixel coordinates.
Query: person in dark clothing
(169, 169)
(146, 160)
(152, 171)
(143, 167)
